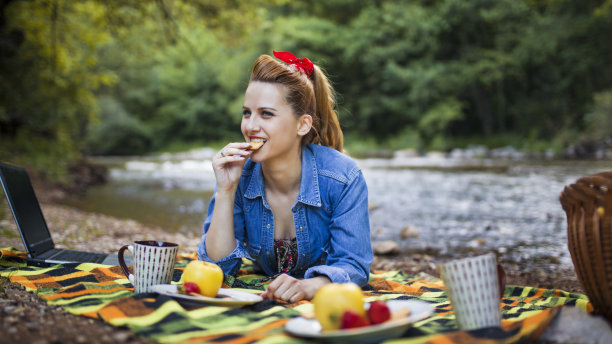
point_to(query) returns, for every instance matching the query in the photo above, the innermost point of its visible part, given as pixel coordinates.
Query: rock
(405, 153)
(409, 232)
(477, 242)
(572, 325)
(385, 248)
(372, 206)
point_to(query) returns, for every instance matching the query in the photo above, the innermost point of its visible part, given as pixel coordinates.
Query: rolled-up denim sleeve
(350, 252)
(230, 264)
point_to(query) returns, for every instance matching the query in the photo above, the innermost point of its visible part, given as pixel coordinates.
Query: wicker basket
(588, 206)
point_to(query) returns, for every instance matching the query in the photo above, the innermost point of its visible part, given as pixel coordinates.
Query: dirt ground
(24, 318)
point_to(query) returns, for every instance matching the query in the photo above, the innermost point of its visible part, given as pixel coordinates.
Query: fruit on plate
(190, 287)
(332, 300)
(207, 276)
(351, 319)
(378, 312)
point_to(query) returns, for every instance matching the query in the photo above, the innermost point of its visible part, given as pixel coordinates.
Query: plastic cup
(474, 286)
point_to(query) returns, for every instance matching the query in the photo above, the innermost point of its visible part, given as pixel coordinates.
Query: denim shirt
(331, 220)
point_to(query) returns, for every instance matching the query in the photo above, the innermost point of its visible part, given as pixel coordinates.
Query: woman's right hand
(228, 163)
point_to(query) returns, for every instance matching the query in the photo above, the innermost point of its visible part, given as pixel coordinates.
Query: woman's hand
(291, 289)
(227, 164)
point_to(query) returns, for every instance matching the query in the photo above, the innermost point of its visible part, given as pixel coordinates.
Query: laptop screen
(26, 210)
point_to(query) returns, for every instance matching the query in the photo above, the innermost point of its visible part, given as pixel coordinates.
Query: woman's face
(266, 116)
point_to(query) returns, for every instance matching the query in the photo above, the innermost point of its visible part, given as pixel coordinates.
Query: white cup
(153, 263)
(474, 286)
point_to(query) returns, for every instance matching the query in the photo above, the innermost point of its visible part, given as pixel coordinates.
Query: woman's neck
(284, 175)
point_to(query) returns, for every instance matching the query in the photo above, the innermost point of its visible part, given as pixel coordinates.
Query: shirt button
(301, 228)
(303, 254)
(268, 226)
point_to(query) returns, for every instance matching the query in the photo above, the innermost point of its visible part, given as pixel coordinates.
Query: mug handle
(501, 277)
(127, 273)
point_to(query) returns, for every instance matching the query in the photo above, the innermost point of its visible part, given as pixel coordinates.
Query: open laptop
(33, 227)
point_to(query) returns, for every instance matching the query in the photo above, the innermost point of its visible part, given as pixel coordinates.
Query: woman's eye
(267, 114)
(246, 113)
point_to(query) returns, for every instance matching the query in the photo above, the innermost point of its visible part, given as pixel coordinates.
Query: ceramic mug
(475, 286)
(153, 263)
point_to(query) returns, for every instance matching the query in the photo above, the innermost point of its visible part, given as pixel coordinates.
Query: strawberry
(351, 319)
(379, 312)
(191, 287)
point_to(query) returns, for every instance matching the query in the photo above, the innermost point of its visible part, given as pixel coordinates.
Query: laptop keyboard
(80, 256)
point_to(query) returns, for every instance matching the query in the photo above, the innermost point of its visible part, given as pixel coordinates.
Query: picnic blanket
(103, 292)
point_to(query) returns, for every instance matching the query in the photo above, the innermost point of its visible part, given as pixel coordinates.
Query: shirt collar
(309, 185)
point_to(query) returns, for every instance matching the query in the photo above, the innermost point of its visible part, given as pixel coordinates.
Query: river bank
(76, 229)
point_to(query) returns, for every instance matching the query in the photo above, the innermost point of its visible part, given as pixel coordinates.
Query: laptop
(33, 227)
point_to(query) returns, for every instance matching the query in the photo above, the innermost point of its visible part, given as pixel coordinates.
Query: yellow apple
(208, 276)
(332, 300)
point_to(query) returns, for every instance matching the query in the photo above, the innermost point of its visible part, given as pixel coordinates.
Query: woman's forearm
(220, 238)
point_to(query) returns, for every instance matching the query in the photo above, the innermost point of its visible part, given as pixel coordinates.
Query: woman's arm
(227, 165)
(220, 238)
(350, 250)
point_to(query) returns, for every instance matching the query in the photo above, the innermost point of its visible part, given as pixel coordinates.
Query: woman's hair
(314, 96)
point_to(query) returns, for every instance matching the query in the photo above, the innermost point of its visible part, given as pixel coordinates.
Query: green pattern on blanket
(103, 292)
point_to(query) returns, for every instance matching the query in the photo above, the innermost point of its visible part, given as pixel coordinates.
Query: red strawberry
(379, 312)
(191, 287)
(351, 319)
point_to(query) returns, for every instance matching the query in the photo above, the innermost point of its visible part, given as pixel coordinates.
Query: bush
(119, 133)
(599, 121)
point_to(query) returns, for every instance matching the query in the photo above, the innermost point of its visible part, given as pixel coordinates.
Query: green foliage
(599, 120)
(118, 132)
(129, 77)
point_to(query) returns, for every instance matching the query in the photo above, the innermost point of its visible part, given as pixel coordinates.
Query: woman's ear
(304, 124)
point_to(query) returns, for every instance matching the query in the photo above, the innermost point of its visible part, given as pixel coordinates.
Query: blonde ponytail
(327, 132)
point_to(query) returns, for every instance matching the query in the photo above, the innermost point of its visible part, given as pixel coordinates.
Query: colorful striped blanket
(103, 292)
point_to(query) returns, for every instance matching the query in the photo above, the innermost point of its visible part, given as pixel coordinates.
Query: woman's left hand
(291, 289)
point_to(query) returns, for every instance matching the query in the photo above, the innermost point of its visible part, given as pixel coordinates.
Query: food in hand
(256, 144)
(332, 300)
(351, 319)
(378, 312)
(208, 277)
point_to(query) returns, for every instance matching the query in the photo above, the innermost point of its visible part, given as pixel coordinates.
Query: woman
(297, 206)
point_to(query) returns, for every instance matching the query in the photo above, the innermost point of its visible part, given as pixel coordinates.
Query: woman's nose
(251, 123)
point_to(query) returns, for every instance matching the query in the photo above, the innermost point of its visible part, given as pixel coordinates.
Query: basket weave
(588, 206)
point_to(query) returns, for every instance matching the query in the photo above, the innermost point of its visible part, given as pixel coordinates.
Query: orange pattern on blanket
(65, 295)
(259, 333)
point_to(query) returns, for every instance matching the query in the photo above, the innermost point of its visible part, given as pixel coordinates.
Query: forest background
(116, 77)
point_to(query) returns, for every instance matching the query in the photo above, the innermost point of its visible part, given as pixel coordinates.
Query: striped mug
(475, 286)
(153, 263)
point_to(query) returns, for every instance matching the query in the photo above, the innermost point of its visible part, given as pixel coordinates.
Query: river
(452, 205)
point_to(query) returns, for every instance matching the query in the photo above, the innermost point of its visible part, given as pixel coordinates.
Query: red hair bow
(303, 64)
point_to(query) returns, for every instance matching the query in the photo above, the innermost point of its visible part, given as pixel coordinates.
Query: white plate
(225, 297)
(310, 328)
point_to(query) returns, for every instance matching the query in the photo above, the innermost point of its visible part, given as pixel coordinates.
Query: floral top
(286, 251)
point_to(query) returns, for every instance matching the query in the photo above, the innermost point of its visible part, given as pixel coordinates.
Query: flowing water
(452, 205)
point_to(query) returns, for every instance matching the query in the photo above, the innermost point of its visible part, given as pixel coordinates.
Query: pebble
(385, 248)
(409, 232)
